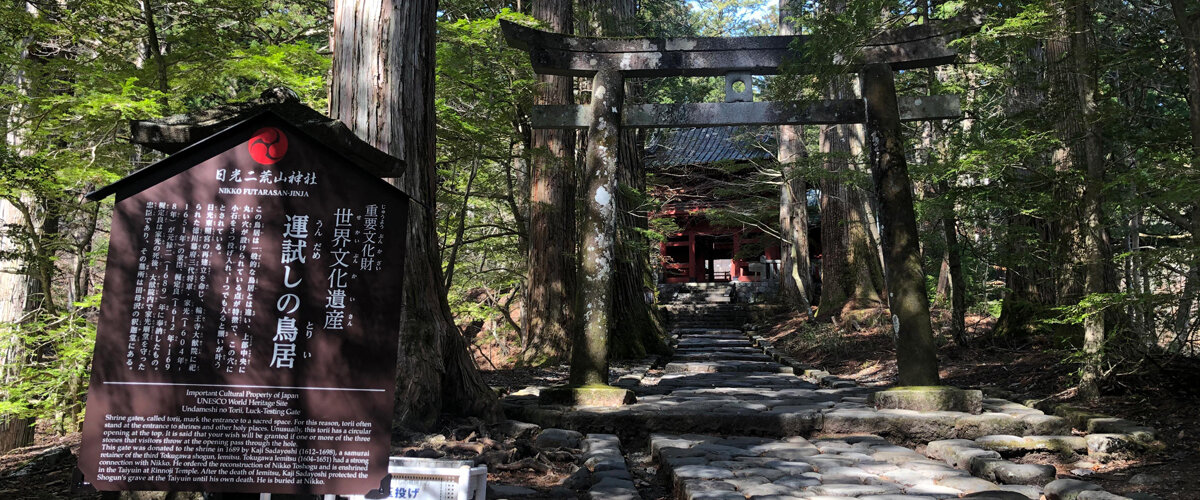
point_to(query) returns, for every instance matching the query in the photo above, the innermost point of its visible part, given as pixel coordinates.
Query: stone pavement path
(720, 382)
(867, 467)
(725, 420)
(724, 371)
(717, 382)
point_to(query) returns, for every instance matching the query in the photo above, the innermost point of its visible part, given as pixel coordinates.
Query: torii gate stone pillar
(916, 354)
(589, 351)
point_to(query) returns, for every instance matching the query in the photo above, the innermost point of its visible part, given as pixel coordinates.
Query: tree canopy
(1065, 196)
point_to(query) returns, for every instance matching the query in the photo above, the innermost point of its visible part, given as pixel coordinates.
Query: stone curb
(987, 464)
(612, 480)
(1110, 437)
(820, 377)
(1107, 438)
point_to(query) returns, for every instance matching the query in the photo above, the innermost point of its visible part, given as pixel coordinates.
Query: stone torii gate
(610, 61)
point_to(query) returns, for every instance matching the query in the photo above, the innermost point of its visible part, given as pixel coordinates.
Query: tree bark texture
(156, 53)
(916, 353)
(795, 277)
(14, 432)
(1189, 30)
(634, 329)
(958, 284)
(382, 88)
(550, 286)
(589, 352)
(1083, 139)
(19, 284)
(851, 275)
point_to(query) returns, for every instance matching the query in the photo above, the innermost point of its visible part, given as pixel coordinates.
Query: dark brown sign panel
(247, 340)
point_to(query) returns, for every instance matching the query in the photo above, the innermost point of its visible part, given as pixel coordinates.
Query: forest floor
(1161, 393)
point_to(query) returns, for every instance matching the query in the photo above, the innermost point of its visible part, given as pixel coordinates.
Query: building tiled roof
(698, 146)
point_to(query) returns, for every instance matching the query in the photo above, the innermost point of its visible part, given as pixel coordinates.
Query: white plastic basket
(427, 479)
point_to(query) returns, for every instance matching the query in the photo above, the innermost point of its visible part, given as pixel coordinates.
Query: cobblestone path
(726, 419)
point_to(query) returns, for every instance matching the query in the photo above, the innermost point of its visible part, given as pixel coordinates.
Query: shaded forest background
(1063, 203)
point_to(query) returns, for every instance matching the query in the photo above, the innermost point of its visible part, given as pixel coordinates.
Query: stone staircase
(703, 306)
(698, 293)
(727, 316)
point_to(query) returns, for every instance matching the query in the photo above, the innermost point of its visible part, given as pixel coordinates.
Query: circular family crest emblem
(268, 145)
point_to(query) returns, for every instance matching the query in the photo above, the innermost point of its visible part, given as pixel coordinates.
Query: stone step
(706, 324)
(705, 309)
(725, 309)
(712, 344)
(721, 356)
(715, 336)
(701, 300)
(708, 331)
(727, 366)
(703, 320)
(742, 351)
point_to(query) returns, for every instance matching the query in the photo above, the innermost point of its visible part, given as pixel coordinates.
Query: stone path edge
(603, 457)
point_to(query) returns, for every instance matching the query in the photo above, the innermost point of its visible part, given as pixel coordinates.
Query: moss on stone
(587, 395)
(929, 398)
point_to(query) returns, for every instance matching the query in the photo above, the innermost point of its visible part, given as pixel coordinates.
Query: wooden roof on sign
(557, 54)
(186, 136)
(173, 133)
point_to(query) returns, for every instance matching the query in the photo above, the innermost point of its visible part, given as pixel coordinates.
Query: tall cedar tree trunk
(382, 88)
(951, 285)
(155, 51)
(851, 275)
(25, 290)
(794, 270)
(1189, 30)
(1031, 274)
(1083, 139)
(15, 285)
(958, 284)
(635, 329)
(550, 287)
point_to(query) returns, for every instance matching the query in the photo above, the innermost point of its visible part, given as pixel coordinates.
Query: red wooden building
(701, 175)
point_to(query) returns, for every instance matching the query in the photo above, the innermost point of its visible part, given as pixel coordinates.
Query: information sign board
(249, 323)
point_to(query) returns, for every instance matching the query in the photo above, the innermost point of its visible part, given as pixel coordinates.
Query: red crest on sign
(268, 145)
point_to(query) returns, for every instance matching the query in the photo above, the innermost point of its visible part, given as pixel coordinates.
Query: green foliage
(72, 75)
(733, 18)
(71, 78)
(483, 90)
(50, 385)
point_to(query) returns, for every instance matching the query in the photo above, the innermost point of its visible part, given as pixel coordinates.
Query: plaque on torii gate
(610, 61)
